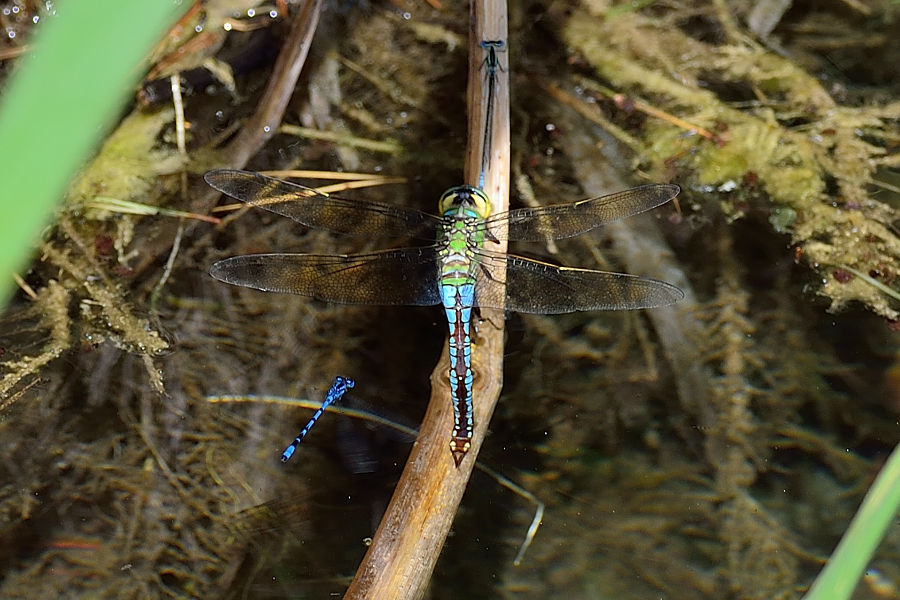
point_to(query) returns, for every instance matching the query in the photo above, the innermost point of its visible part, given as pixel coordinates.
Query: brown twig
(258, 129)
(406, 546)
(265, 121)
(629, 104)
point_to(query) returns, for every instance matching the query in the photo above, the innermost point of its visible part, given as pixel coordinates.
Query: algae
(808, 152)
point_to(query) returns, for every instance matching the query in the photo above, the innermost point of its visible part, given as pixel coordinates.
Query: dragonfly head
(465, 199)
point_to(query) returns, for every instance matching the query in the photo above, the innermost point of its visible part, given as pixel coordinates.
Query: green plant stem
(876, 513)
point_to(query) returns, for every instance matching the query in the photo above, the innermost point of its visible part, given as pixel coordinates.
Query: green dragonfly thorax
(463, 208)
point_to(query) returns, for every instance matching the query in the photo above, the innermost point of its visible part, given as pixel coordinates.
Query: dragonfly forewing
(567, 220)
(523, 285)
(323, 211)
(404, 276)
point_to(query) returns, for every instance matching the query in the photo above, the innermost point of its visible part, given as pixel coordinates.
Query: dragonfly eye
(466, 197)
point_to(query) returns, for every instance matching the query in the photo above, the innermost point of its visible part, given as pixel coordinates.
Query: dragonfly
(339, 387)
(491, 65)
(461, 268)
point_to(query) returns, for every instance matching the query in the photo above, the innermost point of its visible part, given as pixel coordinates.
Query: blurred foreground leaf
(59, 104)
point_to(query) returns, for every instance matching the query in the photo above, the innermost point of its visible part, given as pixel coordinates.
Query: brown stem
(405, 548)
(265, 121)
(253, 134)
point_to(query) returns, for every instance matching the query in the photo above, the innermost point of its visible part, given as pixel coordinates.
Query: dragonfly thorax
(465, 201)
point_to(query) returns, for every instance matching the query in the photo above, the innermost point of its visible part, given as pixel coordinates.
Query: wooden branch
(253, 134)
(409, 540)
(265, 121)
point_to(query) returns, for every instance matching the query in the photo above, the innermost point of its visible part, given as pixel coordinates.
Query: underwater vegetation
(716, 448)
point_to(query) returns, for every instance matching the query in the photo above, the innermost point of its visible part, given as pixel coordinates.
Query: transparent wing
(567, 220)
(323, 211)
(401, 276)
(541, 288)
